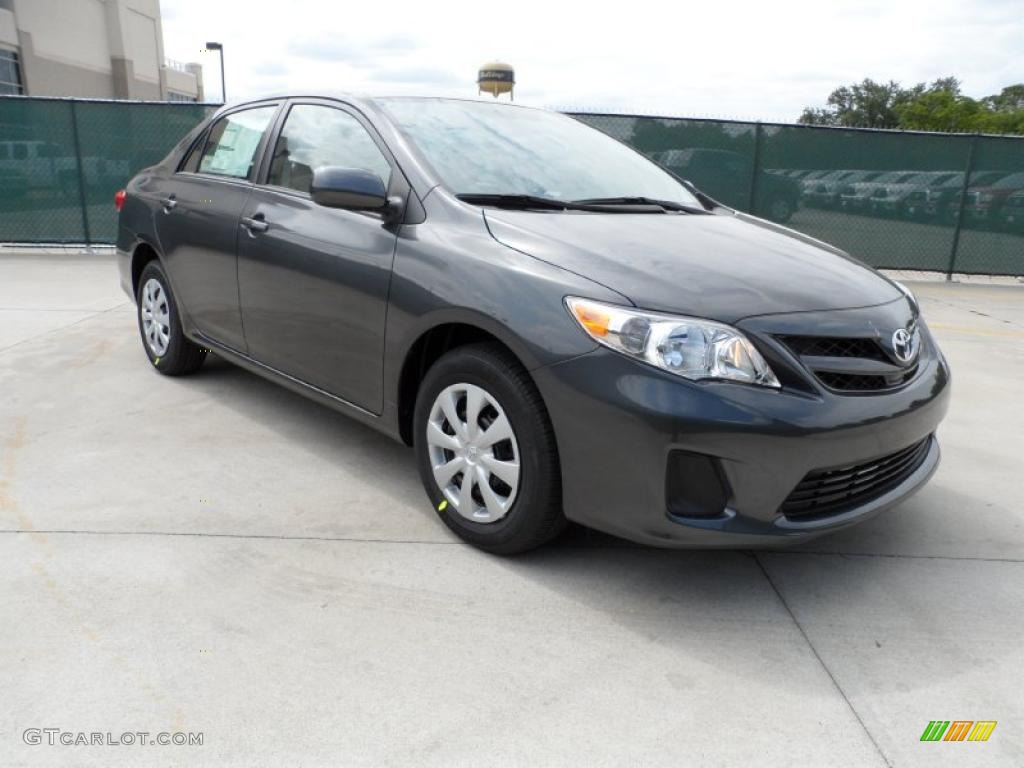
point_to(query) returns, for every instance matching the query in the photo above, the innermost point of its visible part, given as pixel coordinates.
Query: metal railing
(179, 66)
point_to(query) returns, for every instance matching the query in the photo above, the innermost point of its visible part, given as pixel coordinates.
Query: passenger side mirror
(349, 188)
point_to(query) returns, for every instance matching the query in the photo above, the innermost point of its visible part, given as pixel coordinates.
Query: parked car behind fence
(892, 199)
(727, 177)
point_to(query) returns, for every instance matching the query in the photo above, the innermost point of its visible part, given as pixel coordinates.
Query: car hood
(900, 187)
(996, 190)
(828, 186)
(722, 267)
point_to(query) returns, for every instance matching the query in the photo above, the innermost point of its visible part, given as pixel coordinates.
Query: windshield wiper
(668, 205)
(518, 201)
(528, 202)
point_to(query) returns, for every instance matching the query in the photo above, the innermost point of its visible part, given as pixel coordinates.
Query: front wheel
(486, 451)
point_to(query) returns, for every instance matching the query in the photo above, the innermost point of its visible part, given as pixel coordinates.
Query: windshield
(495, 149)
(1013, 180)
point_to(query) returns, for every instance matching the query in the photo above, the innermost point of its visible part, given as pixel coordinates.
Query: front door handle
(255, 223)
(169, 203)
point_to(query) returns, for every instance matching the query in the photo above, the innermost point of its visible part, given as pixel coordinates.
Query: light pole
(219, 48)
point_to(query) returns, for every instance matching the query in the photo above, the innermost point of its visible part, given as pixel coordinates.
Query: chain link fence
(896, 199)
(902, 200)
(62, 160)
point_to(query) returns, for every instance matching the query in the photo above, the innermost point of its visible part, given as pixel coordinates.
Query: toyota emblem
(904, 344)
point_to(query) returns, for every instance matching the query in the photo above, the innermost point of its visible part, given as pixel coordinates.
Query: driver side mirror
(350, 188)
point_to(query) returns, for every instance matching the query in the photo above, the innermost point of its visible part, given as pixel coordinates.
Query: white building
(110, 49)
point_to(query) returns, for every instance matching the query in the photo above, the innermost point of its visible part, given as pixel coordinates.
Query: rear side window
(315, 136)
(232, 142)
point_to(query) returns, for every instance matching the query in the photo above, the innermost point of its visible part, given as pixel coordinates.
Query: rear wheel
(160, 326)
(486, 451)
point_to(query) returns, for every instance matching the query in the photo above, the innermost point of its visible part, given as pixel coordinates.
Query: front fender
(447, 272)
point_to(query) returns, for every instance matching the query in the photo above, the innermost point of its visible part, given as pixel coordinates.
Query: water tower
(495, 78)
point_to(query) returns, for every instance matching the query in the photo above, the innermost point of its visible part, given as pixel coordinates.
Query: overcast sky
(730, 58)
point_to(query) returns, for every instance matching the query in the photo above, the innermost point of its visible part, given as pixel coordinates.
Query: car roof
(367, 100)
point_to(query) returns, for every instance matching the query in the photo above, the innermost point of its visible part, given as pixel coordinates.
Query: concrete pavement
(215, 554)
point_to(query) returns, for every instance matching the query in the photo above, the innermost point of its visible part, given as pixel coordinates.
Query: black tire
(780, 209)
(182, 356)
(535, 516)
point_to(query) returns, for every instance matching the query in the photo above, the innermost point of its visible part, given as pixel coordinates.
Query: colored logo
(958, 730)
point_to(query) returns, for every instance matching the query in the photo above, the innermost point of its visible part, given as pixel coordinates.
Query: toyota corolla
(561, 329)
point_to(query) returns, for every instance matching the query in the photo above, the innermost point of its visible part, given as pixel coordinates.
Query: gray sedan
(561, 329)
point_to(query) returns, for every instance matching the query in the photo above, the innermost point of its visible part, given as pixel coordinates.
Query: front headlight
(686, 346)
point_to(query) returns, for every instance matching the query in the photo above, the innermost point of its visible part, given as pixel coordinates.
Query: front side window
(481, 148)
(231, 145)
(314, 136)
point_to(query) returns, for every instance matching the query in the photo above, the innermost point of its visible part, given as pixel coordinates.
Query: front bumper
(616, 422)
(888, 206)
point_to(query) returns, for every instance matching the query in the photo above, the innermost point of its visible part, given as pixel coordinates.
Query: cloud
(354, 52)
(270, 68)
(743, 59)
(417, 76)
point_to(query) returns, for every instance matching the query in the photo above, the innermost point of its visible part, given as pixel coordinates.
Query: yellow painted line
(975, 331)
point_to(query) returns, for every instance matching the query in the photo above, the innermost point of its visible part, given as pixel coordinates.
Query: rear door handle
(255, 223)
(169, 203)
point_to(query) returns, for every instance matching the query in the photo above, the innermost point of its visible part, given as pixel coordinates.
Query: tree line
(939, 106)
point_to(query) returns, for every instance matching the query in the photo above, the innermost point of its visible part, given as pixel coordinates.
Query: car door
(197, 220)
(313, 280)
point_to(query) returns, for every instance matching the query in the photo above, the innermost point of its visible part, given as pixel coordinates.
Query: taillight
(119, 198)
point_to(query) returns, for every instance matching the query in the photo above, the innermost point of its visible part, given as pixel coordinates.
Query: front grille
(835, 490)
(826, 346)
(862, 382)
(826, 356)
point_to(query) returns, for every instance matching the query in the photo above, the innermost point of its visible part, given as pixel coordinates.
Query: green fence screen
(62, 160)
(904, 200)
